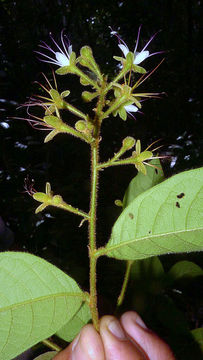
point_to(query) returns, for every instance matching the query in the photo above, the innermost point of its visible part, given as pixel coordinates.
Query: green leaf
(147, 269)
(46, 356)
(73, 327)
(168, 218)
(184, 269)
(36, 300)
(148, 278)
(198, 337)
(141, 182)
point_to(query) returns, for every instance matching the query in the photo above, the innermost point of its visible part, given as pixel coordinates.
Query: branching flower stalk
(115, 98)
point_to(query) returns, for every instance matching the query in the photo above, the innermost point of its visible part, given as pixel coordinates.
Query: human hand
(127, 339)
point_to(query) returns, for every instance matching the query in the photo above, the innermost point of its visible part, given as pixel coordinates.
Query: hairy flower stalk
(123, 102)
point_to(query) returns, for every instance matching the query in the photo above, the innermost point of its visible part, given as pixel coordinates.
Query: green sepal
(141, 168)
(48, 189)
(40, 208)
(57, 200)
(52, 120)
(84, 82)
(138, 69)
(137, 103)
(56, 98)
(119, 58)
(65, 93)
(41, 197)
(69, 68)
(88, 96)
(128, 63)
(50, 110)
(122, 113)
(129, 60)
(65, 70)
(51, 135)
(145, 155)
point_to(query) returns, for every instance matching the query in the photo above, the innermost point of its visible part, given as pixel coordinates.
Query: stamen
(137, 41)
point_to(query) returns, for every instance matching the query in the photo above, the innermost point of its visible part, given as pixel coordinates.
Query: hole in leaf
(177, 204)
(180, 196)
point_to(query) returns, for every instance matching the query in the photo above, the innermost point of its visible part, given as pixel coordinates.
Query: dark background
(64, 162)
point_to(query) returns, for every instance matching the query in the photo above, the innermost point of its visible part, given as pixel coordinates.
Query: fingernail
(75, 342)
(140, 322)
(116, 329)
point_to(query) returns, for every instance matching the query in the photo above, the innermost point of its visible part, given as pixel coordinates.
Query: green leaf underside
(185, 269)
(141, 182)
(168, 218)
(36, 299)
(198, 337)
(46, 356)
(73, 327)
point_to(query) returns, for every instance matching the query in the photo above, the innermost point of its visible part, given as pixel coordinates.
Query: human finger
(117, 346)
(153, 346)
(86, 346)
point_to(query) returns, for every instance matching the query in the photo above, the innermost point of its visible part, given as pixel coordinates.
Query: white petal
(70, 50)
(140, 56)
(131, 108)
(62, 59)
(124, 49)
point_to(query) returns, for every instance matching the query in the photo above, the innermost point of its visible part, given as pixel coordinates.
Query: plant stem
(109, 163)
(92, 232)
(51, 345)
(125, 283)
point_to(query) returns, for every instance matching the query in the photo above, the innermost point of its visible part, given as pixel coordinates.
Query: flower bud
(128, 142)
(80, 125)
(118, 203)
(57, 199)
(88, 96)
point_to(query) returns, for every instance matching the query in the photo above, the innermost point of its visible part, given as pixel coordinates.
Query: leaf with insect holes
(36, 300)
(158, 221)
(73, 327)
(141, 182)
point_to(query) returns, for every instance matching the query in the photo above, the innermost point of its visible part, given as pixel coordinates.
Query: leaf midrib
(114, 247)
(42, 298)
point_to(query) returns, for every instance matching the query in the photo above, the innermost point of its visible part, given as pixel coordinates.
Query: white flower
(138, 56)
(130, 109)
(61, 57)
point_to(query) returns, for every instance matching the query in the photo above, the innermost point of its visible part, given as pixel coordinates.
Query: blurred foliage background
(64, 162)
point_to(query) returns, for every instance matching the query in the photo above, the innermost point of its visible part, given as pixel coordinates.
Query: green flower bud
(80, 125)
(128, 142)
(57, 199)
(88, 96)
(65, 93)
(118, 203)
